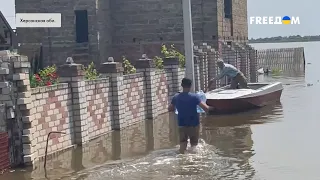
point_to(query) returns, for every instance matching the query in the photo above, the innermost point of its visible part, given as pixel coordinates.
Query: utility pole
(188, 41)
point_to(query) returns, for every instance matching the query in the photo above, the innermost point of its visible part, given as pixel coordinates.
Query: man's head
(220, 63)
(186, 84)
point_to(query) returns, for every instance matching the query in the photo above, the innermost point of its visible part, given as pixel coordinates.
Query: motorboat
(260, 71)
(226, 100)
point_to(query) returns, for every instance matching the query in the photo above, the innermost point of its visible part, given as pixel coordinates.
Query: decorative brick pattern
(161, 92)
(52, 112)
(98, 98)
(134, 98)
(85, 110)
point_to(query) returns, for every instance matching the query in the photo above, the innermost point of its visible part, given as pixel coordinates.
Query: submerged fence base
(282, 59)
(87, 109)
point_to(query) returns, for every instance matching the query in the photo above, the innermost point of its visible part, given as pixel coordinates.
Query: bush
(158, 61)
(276, 71)
(128, 67)
(91, 72)
(46, 77)
(171, 52)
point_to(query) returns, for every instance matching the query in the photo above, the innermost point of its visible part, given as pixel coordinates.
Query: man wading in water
(237, 77)
(188, 117)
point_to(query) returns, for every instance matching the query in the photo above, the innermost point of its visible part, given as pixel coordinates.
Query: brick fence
(87, 109)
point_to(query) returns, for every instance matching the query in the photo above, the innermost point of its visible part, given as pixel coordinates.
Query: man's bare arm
(204, 106)
(171, 108)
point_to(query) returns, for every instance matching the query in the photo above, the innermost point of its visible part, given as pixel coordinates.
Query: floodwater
(275, 142)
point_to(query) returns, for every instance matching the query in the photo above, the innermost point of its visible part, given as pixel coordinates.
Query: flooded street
(274, 142)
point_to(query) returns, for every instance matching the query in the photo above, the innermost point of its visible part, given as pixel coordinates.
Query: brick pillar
(73, 74)
(7, 117)
(229, 56)
(16, 95)
(204, 62)
(114, 71)
(171, 67)
(212, 66)
(25, 106)
(253, 63)
(147, 66)
(197, 73)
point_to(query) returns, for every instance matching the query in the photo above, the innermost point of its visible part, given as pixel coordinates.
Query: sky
(306, 10)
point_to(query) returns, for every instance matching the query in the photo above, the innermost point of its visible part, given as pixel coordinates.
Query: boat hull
(222, 106)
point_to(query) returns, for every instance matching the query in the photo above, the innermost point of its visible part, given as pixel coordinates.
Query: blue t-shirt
(186, 104)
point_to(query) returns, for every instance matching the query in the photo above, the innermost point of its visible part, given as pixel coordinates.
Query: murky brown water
(274, 142)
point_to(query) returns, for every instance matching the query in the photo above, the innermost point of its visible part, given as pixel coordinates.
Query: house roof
(5, 21)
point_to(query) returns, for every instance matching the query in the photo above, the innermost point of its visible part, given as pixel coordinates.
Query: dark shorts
(189, 132)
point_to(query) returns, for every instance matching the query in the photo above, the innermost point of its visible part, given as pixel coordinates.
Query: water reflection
(134, 141)
(147, 150)
(231, 136)
(283, 76)
(224, 152)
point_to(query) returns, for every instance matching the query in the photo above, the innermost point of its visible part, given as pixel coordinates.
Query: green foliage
(91, 72)
(276, 71)
(46, 77)
(158, 61)
(172, 52)
(128, 67)
(33, 80)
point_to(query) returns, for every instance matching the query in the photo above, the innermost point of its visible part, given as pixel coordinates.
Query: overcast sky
(306, 10)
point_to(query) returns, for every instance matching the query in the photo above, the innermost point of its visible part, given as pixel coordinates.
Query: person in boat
(188, 118)
(237, 77)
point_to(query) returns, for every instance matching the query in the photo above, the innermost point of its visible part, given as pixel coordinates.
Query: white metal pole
(188, 41)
